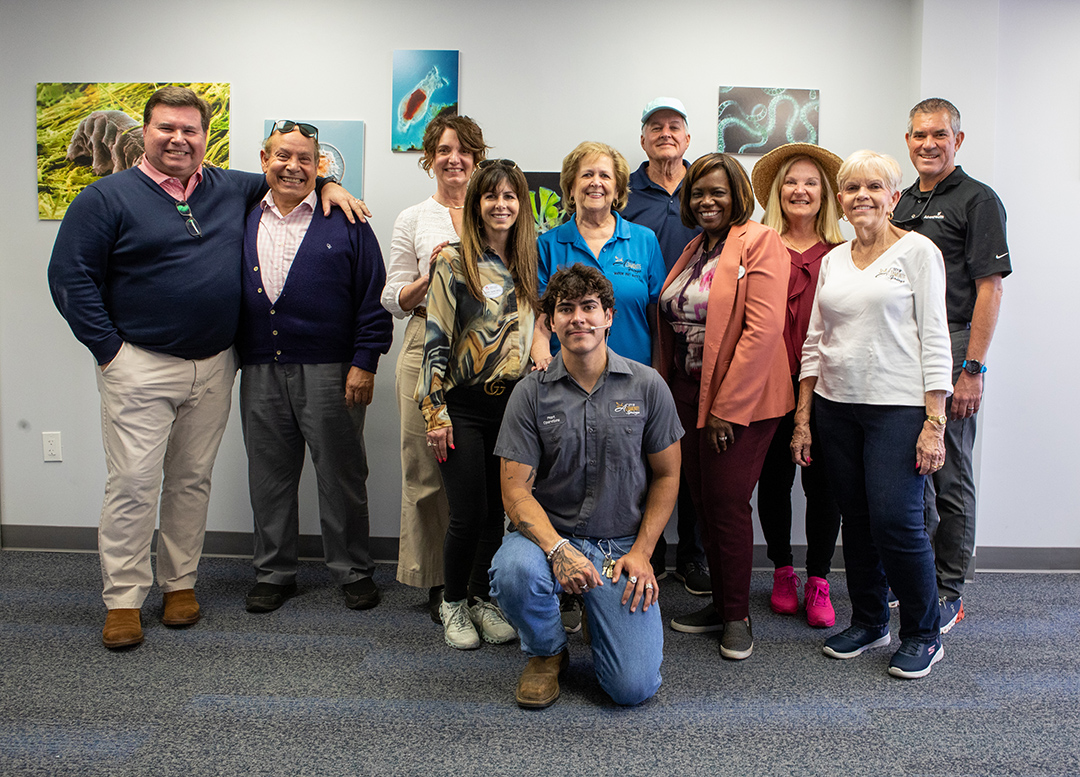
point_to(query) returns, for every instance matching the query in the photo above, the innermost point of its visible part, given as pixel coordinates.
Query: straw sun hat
(767, 167)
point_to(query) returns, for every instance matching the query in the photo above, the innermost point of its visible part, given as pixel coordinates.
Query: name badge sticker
(742, 272)
(626, 408)
(493, 290)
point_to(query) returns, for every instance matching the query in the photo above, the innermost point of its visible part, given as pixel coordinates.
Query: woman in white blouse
(453, 146)
(877, 367)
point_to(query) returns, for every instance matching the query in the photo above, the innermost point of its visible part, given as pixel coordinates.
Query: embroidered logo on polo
(551, 420)
(893, 274)
(629, 408)
(938, 215)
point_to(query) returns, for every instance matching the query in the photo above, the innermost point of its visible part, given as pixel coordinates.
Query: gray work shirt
(589, 449)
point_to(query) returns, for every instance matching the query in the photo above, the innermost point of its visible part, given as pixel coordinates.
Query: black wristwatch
(973, 367)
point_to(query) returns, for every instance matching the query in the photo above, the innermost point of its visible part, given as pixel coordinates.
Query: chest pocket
(623, 445)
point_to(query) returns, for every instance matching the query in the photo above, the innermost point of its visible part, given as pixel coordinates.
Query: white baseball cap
(663, 104)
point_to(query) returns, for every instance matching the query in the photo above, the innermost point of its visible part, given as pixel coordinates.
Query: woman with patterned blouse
(481, 310)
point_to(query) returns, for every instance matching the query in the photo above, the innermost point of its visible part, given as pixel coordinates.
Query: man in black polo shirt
(966, 221)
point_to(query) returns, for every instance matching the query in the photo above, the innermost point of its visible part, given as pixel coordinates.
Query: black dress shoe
(434, 603)
(361, 594)
(266, 597)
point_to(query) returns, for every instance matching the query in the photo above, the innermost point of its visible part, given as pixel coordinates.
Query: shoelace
(909, 648)
(817, 595)
(460, 617)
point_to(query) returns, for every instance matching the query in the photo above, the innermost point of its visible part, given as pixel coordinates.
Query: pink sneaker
(819, 610)
(785, 592)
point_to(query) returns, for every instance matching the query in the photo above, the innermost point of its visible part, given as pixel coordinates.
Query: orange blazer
(745, 375)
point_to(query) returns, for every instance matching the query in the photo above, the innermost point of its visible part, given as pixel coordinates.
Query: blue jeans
(627, 646)
(870, 458)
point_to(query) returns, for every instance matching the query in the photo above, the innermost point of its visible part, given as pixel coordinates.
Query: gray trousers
(949, 504)
(282, 408)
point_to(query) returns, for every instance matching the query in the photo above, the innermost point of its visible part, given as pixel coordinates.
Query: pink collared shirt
(279, 239)
(170, 184)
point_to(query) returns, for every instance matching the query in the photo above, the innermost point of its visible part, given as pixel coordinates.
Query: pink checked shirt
(279, 240)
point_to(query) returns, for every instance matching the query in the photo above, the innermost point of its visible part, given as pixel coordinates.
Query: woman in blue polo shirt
(596, 183)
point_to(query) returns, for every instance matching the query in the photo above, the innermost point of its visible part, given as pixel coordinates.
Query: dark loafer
(361, 594)
(266, 597)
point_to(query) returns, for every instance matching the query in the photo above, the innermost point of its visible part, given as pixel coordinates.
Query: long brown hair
(522, 255)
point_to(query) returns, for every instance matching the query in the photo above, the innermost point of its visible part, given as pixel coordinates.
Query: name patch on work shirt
(550, 420)
(630, 408)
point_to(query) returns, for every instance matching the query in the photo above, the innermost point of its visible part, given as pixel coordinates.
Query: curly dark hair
(575, 282)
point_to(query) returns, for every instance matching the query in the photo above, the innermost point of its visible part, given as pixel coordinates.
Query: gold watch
(940, 419)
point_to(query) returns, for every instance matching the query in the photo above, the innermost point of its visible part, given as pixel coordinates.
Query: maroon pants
(721, 485)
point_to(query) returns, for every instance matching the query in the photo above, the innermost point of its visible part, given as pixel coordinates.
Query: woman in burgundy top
(796, 184)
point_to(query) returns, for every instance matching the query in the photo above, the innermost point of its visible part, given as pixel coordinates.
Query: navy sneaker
(855, 640)
(914, 659)
(950, 611)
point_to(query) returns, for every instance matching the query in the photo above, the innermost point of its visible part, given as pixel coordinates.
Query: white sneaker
(458, 629)
(491, 623)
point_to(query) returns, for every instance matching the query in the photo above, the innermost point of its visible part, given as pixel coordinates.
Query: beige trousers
(424, 511)
(162, 419)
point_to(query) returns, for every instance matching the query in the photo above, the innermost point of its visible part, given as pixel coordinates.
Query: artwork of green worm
(760, 121)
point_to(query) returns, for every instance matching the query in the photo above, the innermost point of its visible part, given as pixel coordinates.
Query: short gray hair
(936, 105)
(881, 165)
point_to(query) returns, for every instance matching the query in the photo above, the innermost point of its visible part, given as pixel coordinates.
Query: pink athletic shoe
(819, 610)
(785, 592)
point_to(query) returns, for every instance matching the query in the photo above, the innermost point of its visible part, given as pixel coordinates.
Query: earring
(889, 215)
(843, 217)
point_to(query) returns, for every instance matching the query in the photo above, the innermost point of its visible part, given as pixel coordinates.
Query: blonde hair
(572, 163)
(827, 222)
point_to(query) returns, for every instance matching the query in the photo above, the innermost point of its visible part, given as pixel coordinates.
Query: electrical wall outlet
(50, 446)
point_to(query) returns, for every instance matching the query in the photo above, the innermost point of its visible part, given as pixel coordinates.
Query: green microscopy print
(89, 130)
(755, 121)
(545, 195)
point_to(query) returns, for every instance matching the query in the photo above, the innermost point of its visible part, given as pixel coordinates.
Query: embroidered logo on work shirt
(893, 274)
(629, 408)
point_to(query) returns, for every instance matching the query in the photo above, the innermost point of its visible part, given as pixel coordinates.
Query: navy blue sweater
(125, 269)
(329, 309)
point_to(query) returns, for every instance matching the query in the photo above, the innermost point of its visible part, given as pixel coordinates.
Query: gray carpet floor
(316, 689)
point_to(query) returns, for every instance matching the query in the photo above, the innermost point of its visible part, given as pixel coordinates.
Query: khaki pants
(424, 511)
(162, 419)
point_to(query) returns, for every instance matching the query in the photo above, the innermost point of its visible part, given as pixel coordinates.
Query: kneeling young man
(574, 444)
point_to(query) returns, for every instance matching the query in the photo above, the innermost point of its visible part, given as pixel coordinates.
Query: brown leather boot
(123, 628)
(538, 686)
(181, 609)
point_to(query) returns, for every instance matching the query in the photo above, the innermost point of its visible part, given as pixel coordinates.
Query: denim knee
(628, 688)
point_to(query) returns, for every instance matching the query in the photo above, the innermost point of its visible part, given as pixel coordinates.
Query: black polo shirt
(966, 221)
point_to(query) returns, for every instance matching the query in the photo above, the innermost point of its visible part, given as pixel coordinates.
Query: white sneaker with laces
(491, 623)
(458, 629)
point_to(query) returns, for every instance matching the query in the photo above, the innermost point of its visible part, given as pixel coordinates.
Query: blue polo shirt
(631, 260)
(589, 449)
(651, 206)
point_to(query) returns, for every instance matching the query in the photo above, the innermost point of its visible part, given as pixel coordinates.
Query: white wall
(539, 78)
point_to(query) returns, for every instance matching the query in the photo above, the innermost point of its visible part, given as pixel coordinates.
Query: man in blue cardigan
(145, 270)
(311, 332)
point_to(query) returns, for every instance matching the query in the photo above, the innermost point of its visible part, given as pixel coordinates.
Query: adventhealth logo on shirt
(938, 215)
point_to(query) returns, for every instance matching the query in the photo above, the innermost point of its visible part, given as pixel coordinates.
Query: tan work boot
(181, 609)
(123, 628)
(538, 686)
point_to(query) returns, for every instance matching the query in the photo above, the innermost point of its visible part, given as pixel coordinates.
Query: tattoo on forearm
(525, 528)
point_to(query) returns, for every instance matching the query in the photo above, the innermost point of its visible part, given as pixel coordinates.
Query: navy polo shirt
(589, 449)
(651, 206)
(966, 221)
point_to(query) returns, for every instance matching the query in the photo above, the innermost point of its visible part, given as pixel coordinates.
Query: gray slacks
(284, 407)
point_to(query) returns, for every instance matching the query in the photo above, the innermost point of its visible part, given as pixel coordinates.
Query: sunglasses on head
(510, 163)
(285, 126)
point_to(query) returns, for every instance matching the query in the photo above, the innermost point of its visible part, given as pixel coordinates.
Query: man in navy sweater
(145, 270)
(311, 332)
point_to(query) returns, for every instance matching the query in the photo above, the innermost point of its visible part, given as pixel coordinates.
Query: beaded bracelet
(551, 553)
